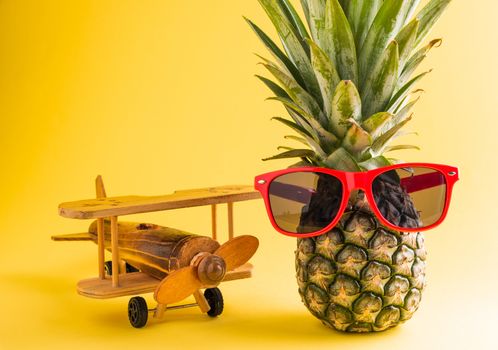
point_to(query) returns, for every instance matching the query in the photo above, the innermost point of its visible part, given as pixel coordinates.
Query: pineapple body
(346, 73)
(361, 276)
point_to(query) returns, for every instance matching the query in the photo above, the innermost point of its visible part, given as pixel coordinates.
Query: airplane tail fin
(99, 187)
(85, 236)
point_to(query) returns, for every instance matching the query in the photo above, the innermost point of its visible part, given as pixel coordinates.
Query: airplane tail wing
(74, 237)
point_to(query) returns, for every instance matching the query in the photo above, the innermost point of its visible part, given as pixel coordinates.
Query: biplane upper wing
(126, 205)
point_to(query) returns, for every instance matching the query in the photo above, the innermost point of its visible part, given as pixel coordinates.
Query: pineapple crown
(346, 79)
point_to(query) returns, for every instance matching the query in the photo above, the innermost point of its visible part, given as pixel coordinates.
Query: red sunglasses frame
(351, 181)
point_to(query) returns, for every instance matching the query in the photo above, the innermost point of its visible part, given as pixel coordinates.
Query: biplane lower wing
(140, 283)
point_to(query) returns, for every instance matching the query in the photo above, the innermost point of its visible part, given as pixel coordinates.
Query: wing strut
(100, 190)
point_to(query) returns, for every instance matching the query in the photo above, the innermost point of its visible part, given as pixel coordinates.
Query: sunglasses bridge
(356, 181)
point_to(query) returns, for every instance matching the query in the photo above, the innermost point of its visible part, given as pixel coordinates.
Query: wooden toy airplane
(146, 258)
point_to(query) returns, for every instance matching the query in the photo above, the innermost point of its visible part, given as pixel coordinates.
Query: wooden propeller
(207, 271)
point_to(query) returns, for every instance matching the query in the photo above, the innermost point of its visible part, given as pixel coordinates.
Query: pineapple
(347, 82)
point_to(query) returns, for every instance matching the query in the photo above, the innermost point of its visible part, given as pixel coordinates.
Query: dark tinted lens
(305, 202)
(410, 197)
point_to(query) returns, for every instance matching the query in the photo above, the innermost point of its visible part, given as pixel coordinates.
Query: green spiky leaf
(415, 61)
(357, 140)
(285, 148)
(304, 130)
(305, 6)
(297, 93)
(401, 94)
(279, 92)
(297, 139)
(361, 14)
(406, 41)
(375, 124)
(277, 53)
(326, 74)
(383, 30)
(298, 117)
(341, 159)
(391, 124)
(346, 104)
(295, 20)
(402, 133)
(374, 49)
(401, 147)
(322, 135)
(375, 163)
(405, 111)
(292, 44)
(344, 4)
(301, 122)
(294, 126)
(316, 10)
(274, 87)
(379, 144)
(339, 40)
(319, 153)
(411, 8)
(296, 153)
(428, 16)
(382, 82)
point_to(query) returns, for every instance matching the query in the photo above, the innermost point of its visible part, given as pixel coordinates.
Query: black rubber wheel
(215, 301)
(108, 268)
(138, 312)
(130, 268)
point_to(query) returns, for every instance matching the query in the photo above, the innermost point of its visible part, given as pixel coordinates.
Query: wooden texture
(130, 284)
(101, 248)
(115, 251)
(122, 266)
(99, 187)
(154, 249)
(140, 283)
(74, 237)
(201, 301)
(177, 286)
(100, 192)
(211, 270)
(244, 271)
(238, 251)
(160, 310)
(118, 206)
(230, 219)
(213, 222)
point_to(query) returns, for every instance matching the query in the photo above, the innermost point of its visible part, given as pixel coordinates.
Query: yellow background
(160, 95)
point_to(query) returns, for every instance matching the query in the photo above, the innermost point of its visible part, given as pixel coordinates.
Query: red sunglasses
(306, 202)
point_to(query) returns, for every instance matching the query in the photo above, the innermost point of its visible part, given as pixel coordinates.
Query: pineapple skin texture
(361, 276)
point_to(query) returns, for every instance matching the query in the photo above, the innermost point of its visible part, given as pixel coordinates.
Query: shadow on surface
(56, 305)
